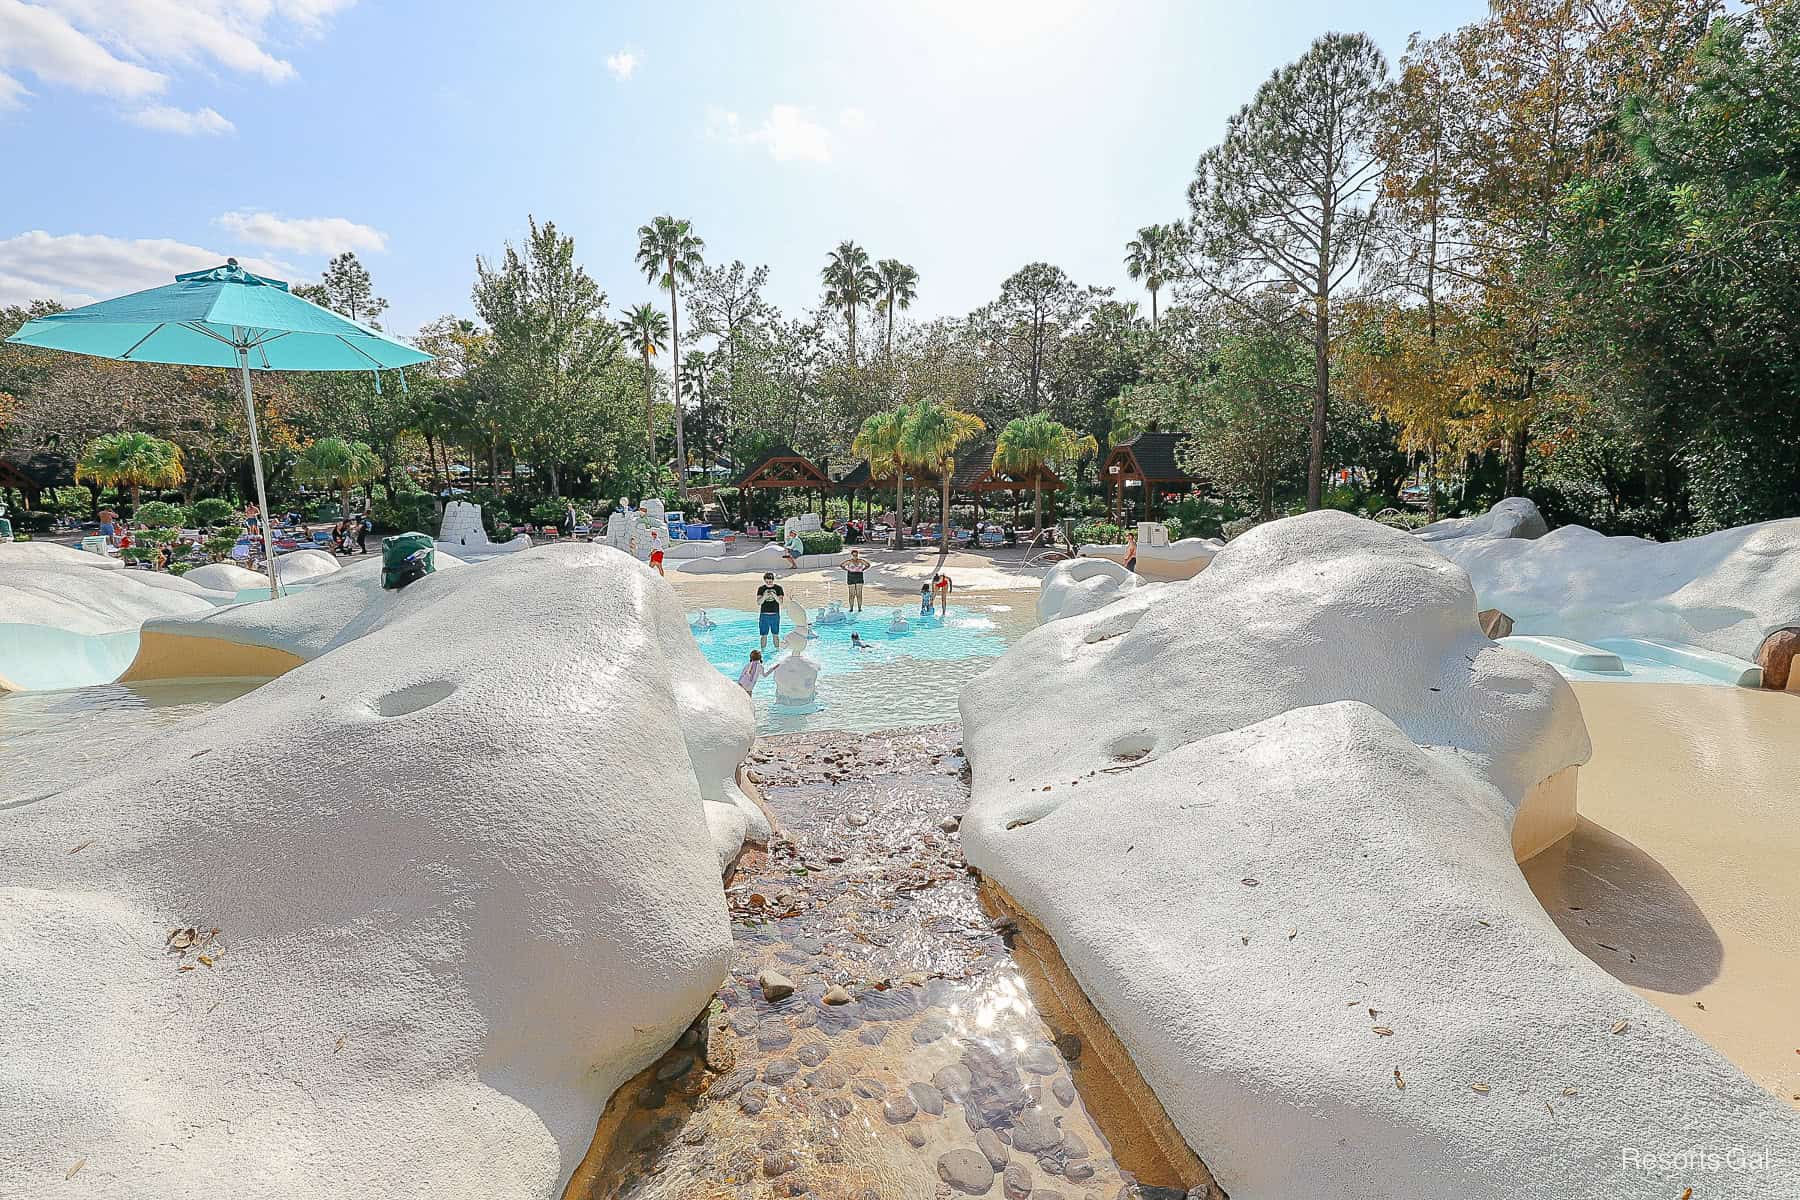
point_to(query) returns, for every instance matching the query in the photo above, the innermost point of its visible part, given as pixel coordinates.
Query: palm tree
(1028, 445)
(1152, 257)
(898, 287)
(850, 284)
(132, 460)
(879, 441)
(933, 432)
(669, 255)
(334, 462)
(647, 331)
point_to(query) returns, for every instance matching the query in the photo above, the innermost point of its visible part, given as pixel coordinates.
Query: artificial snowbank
(1513, 517)
(1182, 559)
(79, 599)
(463, 891)
(1081, 585)
(226, 577)
(51, 554)
(1723, 592)
(763, 558)
(1253, 807)
(304, 566)
(462, 533)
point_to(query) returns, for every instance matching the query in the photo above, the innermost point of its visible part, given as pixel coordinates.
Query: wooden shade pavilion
(1149, 460)
(781, 466)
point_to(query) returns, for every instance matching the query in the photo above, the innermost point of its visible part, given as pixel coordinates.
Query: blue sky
(966, 138)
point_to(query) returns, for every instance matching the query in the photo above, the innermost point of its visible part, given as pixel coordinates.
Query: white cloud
(853, 120)
(135, 49)
(302, 235)
(622, 64)
(78, 268)
(788, 133)
(166, 118)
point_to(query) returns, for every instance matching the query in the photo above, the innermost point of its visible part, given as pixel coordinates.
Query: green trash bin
(406, 557)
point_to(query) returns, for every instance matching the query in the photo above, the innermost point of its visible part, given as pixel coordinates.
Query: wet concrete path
(909, 1062)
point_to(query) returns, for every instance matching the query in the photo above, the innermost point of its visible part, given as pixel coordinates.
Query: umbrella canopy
(205, 317)
(224, 317)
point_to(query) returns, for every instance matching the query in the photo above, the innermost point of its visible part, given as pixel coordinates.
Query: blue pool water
(901, 679)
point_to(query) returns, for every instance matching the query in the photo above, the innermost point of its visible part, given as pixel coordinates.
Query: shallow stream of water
(938, 1076)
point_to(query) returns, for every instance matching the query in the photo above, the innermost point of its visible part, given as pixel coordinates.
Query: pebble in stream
(930, 1075)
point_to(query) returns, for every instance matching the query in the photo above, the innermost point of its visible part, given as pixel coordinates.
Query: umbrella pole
(262, 498)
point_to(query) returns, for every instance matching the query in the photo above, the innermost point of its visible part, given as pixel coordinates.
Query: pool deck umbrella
(1149, 459)
(224, 317)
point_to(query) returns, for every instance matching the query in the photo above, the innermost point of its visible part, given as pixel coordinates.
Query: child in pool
(924, 599)
(703, 621)
(856, 642)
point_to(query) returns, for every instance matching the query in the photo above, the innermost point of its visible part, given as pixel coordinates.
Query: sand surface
(1682, 878)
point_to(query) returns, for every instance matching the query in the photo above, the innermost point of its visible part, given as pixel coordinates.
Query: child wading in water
(753, 671)
(924, 599)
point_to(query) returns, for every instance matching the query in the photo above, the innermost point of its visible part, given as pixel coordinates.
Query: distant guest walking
(1131, 553)
(362, 535)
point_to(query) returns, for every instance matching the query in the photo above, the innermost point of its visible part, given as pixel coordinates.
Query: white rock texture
(1724, 591)
(462, 533)
(41, 554)
(1513, 517)
(763, 558)
(304, 566)
(80, 599)
(226, 577)
(463, 890)
(1081, 585)
(1183, 559)
(1252, 807)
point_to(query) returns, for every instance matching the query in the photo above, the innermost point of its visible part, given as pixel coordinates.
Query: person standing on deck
(854, 566)
(768, 602)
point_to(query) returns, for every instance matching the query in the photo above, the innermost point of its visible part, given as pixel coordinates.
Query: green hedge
(158, 514)
(213, 511)
(821, 542)
(1103, 533)
(407, 512)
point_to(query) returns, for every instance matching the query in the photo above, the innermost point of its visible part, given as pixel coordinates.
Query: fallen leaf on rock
(1687, 1194)
(1569, 1091)
(1621, 1027)
(1482, 1088)
(205, 961)
(1383, 1031)
(1247, 882)
(181, 939)
(1399, 1082)
(83, 846)
(339, 1045)
(79, 1163)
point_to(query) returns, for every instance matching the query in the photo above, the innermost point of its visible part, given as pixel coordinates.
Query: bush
(180, 568)
(160, 515)
(220, 544)
(821, 542)
(34, 521)
(212, 511)
(501, 533)
(1239, 527)
(1099, 532)
(1201, 517)
(549, 512)
(406, 512)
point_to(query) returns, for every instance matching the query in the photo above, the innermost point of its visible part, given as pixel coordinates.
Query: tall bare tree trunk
(675, 370)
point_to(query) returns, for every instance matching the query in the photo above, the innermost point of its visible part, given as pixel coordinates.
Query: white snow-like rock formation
(52, 554)
(1080, 585)
(763, 558)
(1513, 517)
(80, 599)
(1723, 592)
(1254, 807)
(462, 887)
(304, 566)
(462, 533)
(226, 577)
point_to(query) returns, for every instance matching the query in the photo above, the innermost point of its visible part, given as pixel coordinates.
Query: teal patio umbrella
(224, 317)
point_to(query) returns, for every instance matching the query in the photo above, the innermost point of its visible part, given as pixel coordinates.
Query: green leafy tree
(346, 288)
(335, 463)
(549, 342)
(881, 440)
(851, 284)
(1283, 205)
(934, 431)
(131, 460)
(669, 253)
(1154, 256)
(897, 286)
(1249, 417)
(1029, 446)
(646, 330)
